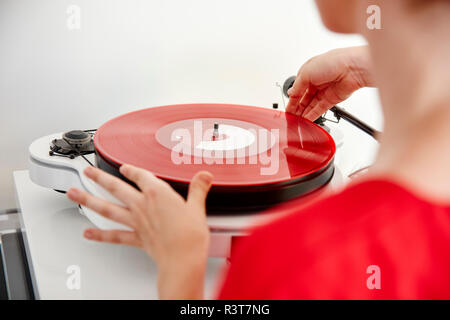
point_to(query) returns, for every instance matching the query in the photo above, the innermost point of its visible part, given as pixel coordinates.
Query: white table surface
(53, 235)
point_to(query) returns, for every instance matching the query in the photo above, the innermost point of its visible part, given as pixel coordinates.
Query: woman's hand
(328, 79)
(173, 231)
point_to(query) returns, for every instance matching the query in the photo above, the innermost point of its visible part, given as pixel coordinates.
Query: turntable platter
(258, 156)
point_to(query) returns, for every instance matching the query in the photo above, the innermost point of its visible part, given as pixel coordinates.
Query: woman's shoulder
(354, 228)
(359, 202)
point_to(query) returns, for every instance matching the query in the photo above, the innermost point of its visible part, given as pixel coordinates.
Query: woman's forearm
(182, 280)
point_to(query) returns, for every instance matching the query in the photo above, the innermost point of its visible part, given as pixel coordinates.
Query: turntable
(265, 162)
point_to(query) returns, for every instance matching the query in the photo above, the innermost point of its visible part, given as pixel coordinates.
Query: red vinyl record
(245, 148)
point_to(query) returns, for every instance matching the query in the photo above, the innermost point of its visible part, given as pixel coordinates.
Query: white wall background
(131, 54)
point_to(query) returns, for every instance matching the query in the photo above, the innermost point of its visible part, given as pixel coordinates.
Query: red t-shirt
(374, 240)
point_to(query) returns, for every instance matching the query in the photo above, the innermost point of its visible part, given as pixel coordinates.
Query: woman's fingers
(325, 99)
(296, 93)
(198, 189)
(129, 238)
(309, 95)
(103, 207)
(316, 108)
(144, 180)
(118, 188)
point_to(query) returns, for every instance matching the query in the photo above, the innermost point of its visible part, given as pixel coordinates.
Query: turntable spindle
(216, 130)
